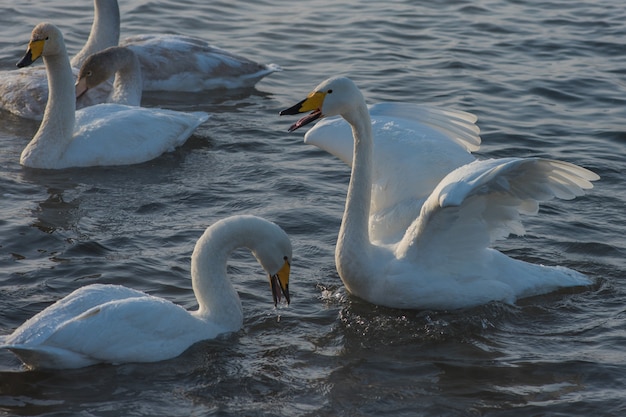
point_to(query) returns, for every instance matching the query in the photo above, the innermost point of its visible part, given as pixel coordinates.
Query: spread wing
(482, 201)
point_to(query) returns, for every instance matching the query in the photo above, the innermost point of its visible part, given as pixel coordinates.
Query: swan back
(184, 63)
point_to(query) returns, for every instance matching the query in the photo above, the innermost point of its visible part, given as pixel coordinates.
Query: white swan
(414, 148)
(117, 61)
(114, 324)
(24, 92)
(443, 261)
(104, 134)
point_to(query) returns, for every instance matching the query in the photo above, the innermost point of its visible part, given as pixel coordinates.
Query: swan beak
(312, 103)
(280, 283)
(35, 49)
(81, 87)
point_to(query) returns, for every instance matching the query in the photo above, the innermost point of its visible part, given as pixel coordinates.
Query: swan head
(101, 66)
(279, 282)
(275, 258)
(336, 96)
(45, 40)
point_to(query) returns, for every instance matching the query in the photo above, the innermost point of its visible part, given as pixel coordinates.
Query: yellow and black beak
(35, 49)
(312, 103)
(280, 283)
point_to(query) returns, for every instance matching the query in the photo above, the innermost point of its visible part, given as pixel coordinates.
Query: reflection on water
(55, 213)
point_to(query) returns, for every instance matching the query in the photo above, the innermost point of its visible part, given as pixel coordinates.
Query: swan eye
(330, 91)
(286, 259)
(89, 73)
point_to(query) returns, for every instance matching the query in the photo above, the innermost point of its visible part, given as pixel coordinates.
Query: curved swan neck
(105, 30)
(218, 300)
(355, 222)
(57, 127)
(128, 84)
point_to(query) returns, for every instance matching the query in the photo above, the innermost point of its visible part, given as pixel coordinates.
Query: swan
(443, 260)
(415, 146)
(103, 134)
(24, 92)
(114, 324)
(189, 64)
(117, 61)
(168, 62)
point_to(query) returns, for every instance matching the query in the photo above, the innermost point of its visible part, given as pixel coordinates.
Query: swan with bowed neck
(103, 134)
(114, 324)
(443, 259)
(414, 148)
(24, 92)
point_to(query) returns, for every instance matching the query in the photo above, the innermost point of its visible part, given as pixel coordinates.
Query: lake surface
(546, 78)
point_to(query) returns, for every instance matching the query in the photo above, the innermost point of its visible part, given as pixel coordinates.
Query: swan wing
(482, 201)
(113, 134)
(40, 326)
(457, 125)
(24, 92)
(110, 324)
(183, 63)
(142, 329)
(414, 148)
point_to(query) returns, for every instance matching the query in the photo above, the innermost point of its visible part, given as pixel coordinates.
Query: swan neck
(128, 84)
(105, 30)
(218, 300)
(57, 126)
(354, 226)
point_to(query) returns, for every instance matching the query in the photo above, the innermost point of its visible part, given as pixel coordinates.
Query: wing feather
(482, 202)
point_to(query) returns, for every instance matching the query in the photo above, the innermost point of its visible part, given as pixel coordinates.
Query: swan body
(103, 134)
(24, 91)
(443, 260)
(114, 324)
(414, 148)
(185, 63)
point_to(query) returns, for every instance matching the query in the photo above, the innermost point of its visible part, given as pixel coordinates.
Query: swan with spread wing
(443, 259)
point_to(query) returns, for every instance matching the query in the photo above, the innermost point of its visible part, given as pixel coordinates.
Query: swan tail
(47, 357)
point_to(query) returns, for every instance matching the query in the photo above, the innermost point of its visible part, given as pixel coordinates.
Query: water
(545, 78)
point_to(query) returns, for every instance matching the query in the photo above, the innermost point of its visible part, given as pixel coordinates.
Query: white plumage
(103, 134)
(443, 259)
(414, 148)
(114, 324)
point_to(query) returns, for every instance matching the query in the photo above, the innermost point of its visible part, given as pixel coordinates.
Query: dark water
(545, 78)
